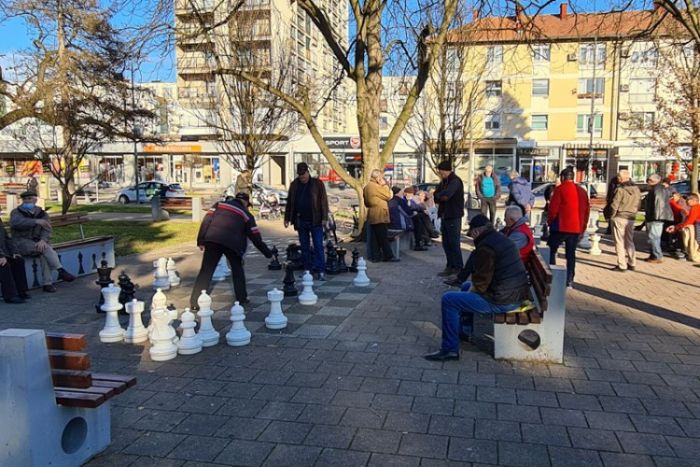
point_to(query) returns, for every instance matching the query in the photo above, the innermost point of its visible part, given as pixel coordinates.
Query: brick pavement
(360, 394)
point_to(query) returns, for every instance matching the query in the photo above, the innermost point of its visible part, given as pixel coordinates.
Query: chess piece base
(290, 292)
(209, 339)
(309, 299)
(189, 350)
(111, 336)
(238, 338)
(163, 284)
(136, 337)
(276, 323)
(161, 355)
(361, 282)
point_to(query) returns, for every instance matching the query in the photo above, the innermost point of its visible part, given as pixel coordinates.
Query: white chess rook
(206, 333)
(307, 296)
(173, 277)
(160, 276)
(189, 342)
(238, 335)
(361, 280)
(162, 334)
(136, 333)
(112, 332)
(276, 319)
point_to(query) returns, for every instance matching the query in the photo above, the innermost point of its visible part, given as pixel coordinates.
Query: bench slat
(65, 341)
(117, 387)
(71, 378)
(87, 400)
(510, 318)
(128, 380)
(535, 317)
(66, 360)
(106, 392)
(523, 318)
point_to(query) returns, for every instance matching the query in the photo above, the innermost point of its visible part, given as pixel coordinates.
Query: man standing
(31, 233)
(622, 212)
(307, 210)
(377, 195)
(567, 219)
(450, 198)
(499, 285)
(225, 230)
(488, 191)
(521, 193)
(657, 210)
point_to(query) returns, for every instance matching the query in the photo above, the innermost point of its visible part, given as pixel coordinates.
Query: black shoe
(420, 248)
(15, 300)
(24, 295)
(442, 356)
(320, 276)
(631, 268)
(49, 288)
(65, 276)
(618, 269)
(447, 272)
(453, 282)
(393, 259)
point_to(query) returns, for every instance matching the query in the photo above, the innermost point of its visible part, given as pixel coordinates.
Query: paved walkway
(346, 384)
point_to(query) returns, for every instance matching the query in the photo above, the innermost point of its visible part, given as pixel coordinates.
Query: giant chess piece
(307, 296)
(128, 290)
(104, 278)
(355, 257)
(207, 333)
(289, 288)
(331, 259)
(361, 280)
(160, 275)
(112, 332)
(275, 263)
(189, 342)
(159, 302)
(220, 271)
(162, 346)
(136, 333)
(173, 276)
(595, 245)
(276, 319)
(342, 266)
(294, 256)
(238, 335)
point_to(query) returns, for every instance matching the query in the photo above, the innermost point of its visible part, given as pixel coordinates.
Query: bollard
(158, 214)
(196, 209)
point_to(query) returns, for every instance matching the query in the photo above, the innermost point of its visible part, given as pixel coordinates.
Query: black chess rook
(355, 258)
(275, 263)
(289, 288)
(104, 278)
(342, 266)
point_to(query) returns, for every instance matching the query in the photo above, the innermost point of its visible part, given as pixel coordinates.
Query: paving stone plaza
(345, 383)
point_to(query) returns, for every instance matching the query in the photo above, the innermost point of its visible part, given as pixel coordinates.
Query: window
(540, 122)
(588, 52)
(646, 58)
(588, 89)
(540, 87)
(452, 60)
(642, 119)
(583, 124)
(494, 54)
(494, 88)
(642, 90)
(540, 53)
(383, 122)
(492, 122)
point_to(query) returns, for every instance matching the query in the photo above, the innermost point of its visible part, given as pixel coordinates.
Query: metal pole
(133, 123)
(591, 119)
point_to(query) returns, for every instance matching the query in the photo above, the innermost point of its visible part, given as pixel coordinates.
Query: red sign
(355, 142)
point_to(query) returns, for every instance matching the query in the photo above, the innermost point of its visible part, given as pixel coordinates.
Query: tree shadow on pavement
(598, 264)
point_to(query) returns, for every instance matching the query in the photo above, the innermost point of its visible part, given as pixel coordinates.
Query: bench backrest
(72, 218)
(540, 278)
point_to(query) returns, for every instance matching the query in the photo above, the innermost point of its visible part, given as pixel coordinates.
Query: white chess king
(276, 319)
(239, 334)
(307, 296)
(112, 332)
(361, 280)
(206, 333)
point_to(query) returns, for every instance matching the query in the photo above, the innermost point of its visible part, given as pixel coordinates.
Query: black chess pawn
(355, 258)
(104, 278)
(289, 289)
(331, 259)
(275, 263)
(342, 266)
(128, 290)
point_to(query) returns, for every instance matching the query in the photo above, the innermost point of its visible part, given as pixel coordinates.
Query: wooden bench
(176, 203)
(74, 384)
(400, 240)
(72, 218)
(540, 276)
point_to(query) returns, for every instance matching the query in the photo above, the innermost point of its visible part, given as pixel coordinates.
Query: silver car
(148, 189)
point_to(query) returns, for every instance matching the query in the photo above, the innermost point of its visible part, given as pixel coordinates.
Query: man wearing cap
(499, 285)
(450, 198)
(31, 233)
(307, 210)
(225, 230)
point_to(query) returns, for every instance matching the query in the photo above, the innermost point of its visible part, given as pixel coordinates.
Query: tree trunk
(695, 160)
(67, 196)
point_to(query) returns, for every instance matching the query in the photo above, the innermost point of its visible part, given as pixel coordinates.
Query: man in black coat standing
(225, 230)
(450, 198)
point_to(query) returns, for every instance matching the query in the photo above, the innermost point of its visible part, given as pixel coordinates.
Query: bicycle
(346, 220)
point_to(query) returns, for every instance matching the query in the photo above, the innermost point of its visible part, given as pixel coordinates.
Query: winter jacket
(625, 202)
(25, 231)
(521, 193)
(399, 214)
(229, 224)
(498, 274)
(521, 234)
(450, 196)
(7, 246)
(569, 209)
(376, 200)
(319, 202)
(479, 184)
(656, 204)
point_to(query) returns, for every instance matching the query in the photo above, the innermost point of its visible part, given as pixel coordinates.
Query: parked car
(260, 190)
(539, 192)
(148, 189)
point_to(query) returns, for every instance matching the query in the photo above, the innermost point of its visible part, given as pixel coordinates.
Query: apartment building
(560, 90)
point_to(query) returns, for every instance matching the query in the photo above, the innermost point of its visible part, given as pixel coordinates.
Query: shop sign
(171, 148)
(349, 142)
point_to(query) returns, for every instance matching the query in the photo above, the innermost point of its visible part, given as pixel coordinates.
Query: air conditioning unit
(572, 57)
(624, 116)
(625, 52)
(624, 88)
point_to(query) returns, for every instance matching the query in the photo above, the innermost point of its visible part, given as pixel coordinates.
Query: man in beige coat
(623, 212)
(377, 195)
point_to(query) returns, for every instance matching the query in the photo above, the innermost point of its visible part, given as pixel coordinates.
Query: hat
(302, 168)
(445, 165)
(395, 189)
(27, 194)
(478, 221)
(243, 197)
(409, 190)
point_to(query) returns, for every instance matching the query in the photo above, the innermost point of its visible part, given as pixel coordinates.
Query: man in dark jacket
(307, 210)
(499, 285)
(657, 211)
(225, 230)
(450, 197)
(488, 190)
(13, 278)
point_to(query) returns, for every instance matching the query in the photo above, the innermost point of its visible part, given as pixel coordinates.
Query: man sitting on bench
(31, 232)
(499, 285)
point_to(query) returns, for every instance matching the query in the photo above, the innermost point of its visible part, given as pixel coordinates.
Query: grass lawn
(55, 208)
(134, 237)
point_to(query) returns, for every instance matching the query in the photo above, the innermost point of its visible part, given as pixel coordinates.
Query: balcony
(195, 65)
(192, 35)
(251, 5)
(188, 7)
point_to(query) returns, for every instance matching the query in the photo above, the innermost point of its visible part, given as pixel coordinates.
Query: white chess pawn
(160, 275)
(238, 335)
(220, 271)
(189, 343)
(307, 296)
(361, 280)
(162, 347)
(595, 245)
(173, 277)
(112, 332)
(136, 333)
(276, 319)
(206, 333)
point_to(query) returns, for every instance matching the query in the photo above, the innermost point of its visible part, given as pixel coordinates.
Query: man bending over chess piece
(225, 230)
(31, 233)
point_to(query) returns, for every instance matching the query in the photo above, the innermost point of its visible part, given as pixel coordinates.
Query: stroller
(269, 206)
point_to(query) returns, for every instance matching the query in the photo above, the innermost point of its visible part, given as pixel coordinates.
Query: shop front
(539, 165)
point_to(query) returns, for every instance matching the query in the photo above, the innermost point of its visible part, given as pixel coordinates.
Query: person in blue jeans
(307, 210)
(499, 285)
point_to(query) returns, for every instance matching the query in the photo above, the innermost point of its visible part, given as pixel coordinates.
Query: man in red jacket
(567, 218)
